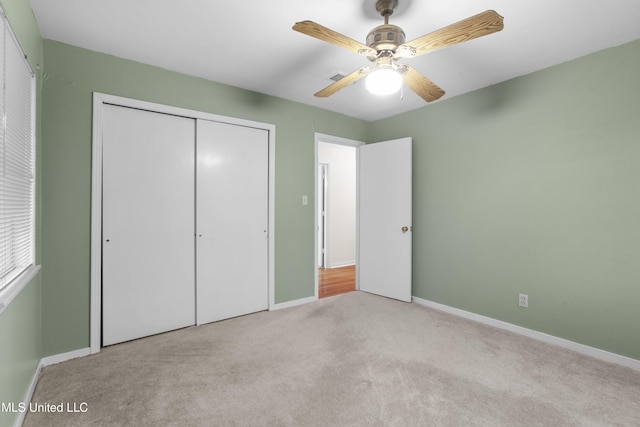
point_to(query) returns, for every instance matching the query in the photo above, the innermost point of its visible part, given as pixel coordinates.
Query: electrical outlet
(523, 300)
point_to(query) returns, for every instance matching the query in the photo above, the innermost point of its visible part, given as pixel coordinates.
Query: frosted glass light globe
(383, 81)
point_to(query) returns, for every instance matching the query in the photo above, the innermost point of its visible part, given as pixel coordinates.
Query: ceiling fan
(386, 45)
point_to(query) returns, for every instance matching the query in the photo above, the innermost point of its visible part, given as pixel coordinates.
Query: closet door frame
(101, 99)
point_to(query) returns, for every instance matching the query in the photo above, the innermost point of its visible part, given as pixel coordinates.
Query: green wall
(531, 186)
(20, 323)
(71, 75)
(526, 186)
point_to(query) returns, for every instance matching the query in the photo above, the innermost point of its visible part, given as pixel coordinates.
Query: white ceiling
(250, 43)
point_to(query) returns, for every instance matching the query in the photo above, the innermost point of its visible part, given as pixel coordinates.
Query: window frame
(16, 276)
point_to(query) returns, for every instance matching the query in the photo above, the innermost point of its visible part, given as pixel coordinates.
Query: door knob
(405, 229)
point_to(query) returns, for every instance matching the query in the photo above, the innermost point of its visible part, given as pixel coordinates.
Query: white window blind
(17, 166)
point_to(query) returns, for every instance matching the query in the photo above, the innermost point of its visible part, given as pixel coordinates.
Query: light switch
(305, 200)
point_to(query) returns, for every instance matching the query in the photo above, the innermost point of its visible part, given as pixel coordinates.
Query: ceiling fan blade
(479, 25)
(421, 85)
(312, 29)
(343, 82)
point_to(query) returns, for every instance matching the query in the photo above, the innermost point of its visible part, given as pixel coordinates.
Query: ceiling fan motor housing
(386, 37)
(386, 7)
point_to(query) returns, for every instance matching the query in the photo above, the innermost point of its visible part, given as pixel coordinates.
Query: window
(17, 163)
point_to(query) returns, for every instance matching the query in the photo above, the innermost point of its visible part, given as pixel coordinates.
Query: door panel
(385, 204)
(232, 220)
(148, 282)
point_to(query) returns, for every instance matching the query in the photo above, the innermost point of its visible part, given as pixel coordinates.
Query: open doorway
(336, 215)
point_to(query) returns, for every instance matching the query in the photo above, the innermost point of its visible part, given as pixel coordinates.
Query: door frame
(330, 139)
(323, 184)
(99, 100)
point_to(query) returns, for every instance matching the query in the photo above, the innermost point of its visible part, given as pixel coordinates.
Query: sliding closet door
(231, 215)
(148, 283)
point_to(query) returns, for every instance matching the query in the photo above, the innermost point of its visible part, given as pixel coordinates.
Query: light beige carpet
(350, 360)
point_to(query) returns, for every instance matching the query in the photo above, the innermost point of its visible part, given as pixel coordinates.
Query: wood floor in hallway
(336, 281)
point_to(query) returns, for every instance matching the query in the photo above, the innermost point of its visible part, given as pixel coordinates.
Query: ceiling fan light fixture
(383, 81)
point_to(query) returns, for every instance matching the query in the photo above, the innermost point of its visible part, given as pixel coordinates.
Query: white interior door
(232, 220)
(385, 204)
(148, 282)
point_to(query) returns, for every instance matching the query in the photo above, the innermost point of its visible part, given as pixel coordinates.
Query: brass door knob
(405, 229)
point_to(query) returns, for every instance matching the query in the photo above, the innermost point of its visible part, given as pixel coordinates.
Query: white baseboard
(343, 264)
(46, 361)
(540, 336)
(27, 397)
(293, 303)
(59, 358)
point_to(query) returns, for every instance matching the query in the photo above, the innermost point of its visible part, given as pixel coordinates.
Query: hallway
(336, 281)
